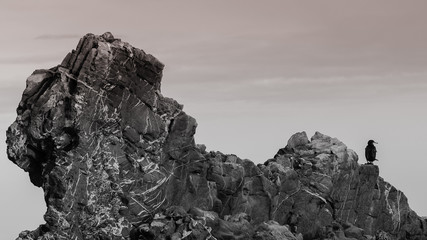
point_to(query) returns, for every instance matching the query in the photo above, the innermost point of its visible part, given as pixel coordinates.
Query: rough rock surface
(117, 160)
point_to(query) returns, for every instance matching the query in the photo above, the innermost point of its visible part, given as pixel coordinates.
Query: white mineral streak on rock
(88, 87)
(60, 216)
(346, 195)
(144, 208)
(157, 185)
(315, 195)
(387, 189)
(396, 211)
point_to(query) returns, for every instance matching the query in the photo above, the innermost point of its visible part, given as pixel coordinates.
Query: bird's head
(371, 142)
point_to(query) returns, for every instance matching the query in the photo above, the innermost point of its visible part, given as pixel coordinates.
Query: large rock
(117, 160)
(107, 148)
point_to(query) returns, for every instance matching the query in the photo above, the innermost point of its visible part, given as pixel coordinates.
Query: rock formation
(117, 160)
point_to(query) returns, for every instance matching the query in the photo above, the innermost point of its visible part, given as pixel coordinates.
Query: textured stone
(271, 230)
(107, 148)
(117, 160)
(298, 140)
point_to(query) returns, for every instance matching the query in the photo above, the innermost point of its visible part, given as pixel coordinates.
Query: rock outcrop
(117, 160)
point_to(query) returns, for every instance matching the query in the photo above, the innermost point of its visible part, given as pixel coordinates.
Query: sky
(251, 72)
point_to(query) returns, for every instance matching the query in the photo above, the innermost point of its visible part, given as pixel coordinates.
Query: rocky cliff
(117, 160)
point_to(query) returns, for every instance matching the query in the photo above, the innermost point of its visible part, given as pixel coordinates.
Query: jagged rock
(298, 140)
(271, 230)
(117, 160)
(336, 232)
(353, 232)
(108, 149)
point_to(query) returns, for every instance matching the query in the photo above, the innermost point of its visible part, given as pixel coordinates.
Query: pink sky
(251, 72)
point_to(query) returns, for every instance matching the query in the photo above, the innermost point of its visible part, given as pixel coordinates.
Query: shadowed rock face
(117, 160)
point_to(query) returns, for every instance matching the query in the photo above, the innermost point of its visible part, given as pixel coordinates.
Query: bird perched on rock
(371, 152)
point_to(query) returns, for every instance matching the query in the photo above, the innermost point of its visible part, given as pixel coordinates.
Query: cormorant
(370, 152)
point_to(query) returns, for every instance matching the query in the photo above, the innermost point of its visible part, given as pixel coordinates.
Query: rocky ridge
(117, 160)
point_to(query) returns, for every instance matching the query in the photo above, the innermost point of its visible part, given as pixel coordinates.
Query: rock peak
(117, 160)
(101, 51)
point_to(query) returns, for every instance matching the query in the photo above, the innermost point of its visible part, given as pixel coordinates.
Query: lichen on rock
(117, 160)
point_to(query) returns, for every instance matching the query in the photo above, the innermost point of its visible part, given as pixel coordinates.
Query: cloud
(34, 59)
(58, 36)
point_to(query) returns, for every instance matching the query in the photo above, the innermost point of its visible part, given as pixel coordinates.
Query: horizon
(251, 74)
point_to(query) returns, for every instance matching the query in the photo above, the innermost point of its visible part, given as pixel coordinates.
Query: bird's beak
(375, 142)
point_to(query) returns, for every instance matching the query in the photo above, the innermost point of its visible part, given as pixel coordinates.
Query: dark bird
(371, 152)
